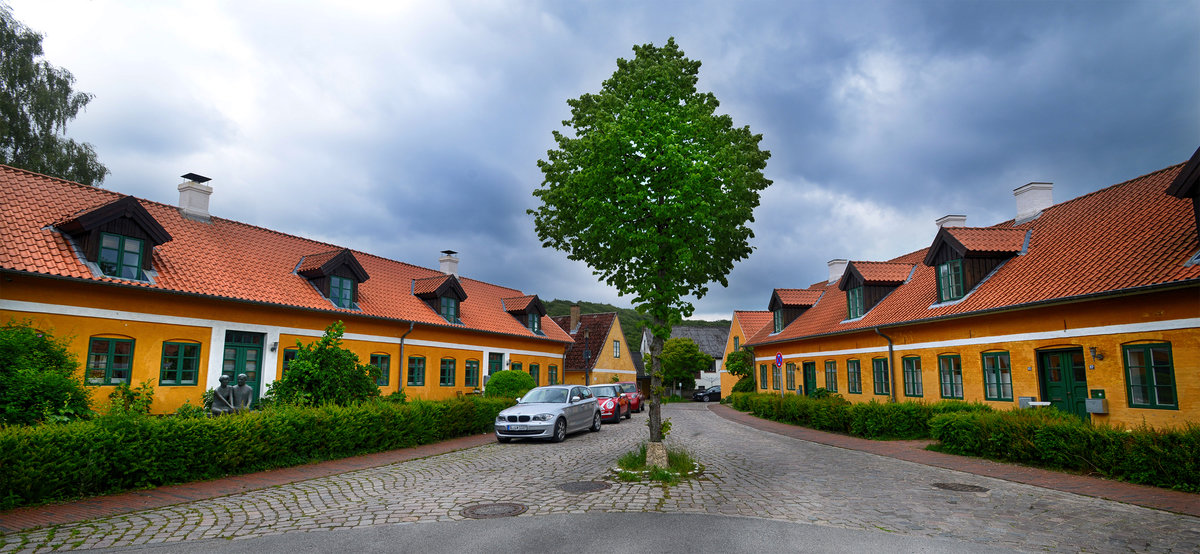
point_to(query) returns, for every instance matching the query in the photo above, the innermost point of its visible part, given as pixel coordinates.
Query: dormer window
(449, 309)
(116, 239)
(120, 256)
(950, 280)
(854, 303)
(336, 275)
(778, 318)
(528, 310)
(788, 304)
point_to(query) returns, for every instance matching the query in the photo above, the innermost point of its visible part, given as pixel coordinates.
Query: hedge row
(873, 420)
(108, 454)
(1168, 458)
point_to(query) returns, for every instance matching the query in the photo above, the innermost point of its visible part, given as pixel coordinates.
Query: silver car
(549, 413)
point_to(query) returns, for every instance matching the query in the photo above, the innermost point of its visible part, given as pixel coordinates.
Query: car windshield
(607, 391)
(545, 396)
(628, 388)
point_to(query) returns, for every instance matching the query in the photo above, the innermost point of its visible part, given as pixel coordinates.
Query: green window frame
(535, 323)
(762, 376)
(446, 375)
(121, 256)
(736, 346)
(831, 376)
(495, 363)
(912, 376)
(180, 363)
(289, 354)
(535, 371)
(775, 376)
(472, 378)
(854, 303)
(1150, 376)
(791, 376)
(341, 291)
(950, 280)
(109, 361)
(516, 366)
(853, 377)
(616, 349)
(950, 376)
(777, 316)
(882, 377)
(384, 363)
(997, 376)
(449, 309)
(553, 371)
(416, 371)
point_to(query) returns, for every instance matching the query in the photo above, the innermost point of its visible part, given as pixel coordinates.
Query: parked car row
(554, 411)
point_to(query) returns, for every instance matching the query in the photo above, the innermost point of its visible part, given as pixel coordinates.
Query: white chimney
(836, 269)
(193, 197)
(1032, 199)
(449, 262)
(952, 220)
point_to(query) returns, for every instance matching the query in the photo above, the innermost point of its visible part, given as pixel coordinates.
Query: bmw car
(549, 413)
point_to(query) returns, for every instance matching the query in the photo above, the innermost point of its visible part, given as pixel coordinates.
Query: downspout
(400, 362)
(891, 363)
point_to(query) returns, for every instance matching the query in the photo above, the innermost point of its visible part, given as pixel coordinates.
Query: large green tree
(681, 359)
(653, 190)
(36, 102)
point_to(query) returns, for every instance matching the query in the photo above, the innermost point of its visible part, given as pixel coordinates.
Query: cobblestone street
(747, 472)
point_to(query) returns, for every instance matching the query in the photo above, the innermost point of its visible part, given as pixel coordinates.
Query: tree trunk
(656, 388)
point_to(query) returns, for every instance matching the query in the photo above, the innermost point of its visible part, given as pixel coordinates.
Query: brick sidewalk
(105, 506)
(914, 451)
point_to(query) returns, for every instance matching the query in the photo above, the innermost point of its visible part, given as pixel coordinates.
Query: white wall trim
(1148, 327)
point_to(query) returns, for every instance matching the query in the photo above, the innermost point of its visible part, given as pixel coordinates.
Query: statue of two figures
(228, 400)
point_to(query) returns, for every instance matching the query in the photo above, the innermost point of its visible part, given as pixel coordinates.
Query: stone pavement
(747, 472)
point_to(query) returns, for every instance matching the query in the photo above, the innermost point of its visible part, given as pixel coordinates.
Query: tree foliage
(36, 102)
(681, 359)
(653, 190)
(39, 378)
(740, 363)
(323, 372)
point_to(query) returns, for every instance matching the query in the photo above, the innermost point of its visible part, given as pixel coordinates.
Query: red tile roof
(597, 327)
(229, 260)
(988, 239)
(429, 284)
(798, 297)
(315, 261)
(882, 272)
(1128, 236)
(752, 321)
(519, 303)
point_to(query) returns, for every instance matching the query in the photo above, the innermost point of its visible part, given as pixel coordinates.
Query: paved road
(836, 495)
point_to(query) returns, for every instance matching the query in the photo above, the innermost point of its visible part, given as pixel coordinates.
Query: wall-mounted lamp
(1096, 355)
(275, 346)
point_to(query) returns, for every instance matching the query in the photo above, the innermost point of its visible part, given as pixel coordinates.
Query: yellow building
(172, 295)
(745, 324)
(1091, 305)
(598, 355)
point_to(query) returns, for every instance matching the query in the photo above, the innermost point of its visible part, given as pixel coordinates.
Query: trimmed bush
(1168, 458)
(39, 378)
(508, 384)
(745, 384)
(874, 420)
(121, 452)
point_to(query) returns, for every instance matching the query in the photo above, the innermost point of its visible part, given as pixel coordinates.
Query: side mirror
(519, 399)
(575, 399)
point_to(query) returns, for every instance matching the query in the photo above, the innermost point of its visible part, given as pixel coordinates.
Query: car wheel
(596, 422)
(628, 413)
(706, 398)
(560, 430)
(617, 415)
(503, 439)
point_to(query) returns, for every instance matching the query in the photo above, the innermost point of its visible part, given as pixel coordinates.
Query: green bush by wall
(108, 454)
(1168, 458)
(873, 420)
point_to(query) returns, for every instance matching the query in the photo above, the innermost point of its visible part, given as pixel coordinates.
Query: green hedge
(1168, 458)
(109, 454)
(873, 420)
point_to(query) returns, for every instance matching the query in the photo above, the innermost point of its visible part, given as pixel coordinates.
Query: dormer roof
(977, 242)
(437, 287)
(524, 305)
(875, 273)
(90, 219)
(793, 298)
(325, 263)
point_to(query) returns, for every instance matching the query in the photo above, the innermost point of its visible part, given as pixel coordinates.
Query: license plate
(516, 427)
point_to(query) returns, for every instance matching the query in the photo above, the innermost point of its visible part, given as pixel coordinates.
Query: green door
(1064, 380)
(810, 377)
(243, 354)
(495, 363)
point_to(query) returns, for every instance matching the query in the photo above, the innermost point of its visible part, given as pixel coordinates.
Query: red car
(612, 402)
(637, 402)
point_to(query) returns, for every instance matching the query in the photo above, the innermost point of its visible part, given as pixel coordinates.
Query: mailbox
(1096, 405)
(1023, 401)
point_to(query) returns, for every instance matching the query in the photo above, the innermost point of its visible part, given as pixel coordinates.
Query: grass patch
(632, 466)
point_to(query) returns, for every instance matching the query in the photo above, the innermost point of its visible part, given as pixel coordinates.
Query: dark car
(710, 394)
(613, 404)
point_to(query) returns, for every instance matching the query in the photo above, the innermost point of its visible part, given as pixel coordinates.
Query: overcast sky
(404, 128)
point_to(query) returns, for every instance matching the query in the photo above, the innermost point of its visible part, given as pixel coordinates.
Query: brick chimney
(449, 262)
(193, 197)
(836, 269)
(1032, 198)
(574, 319)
